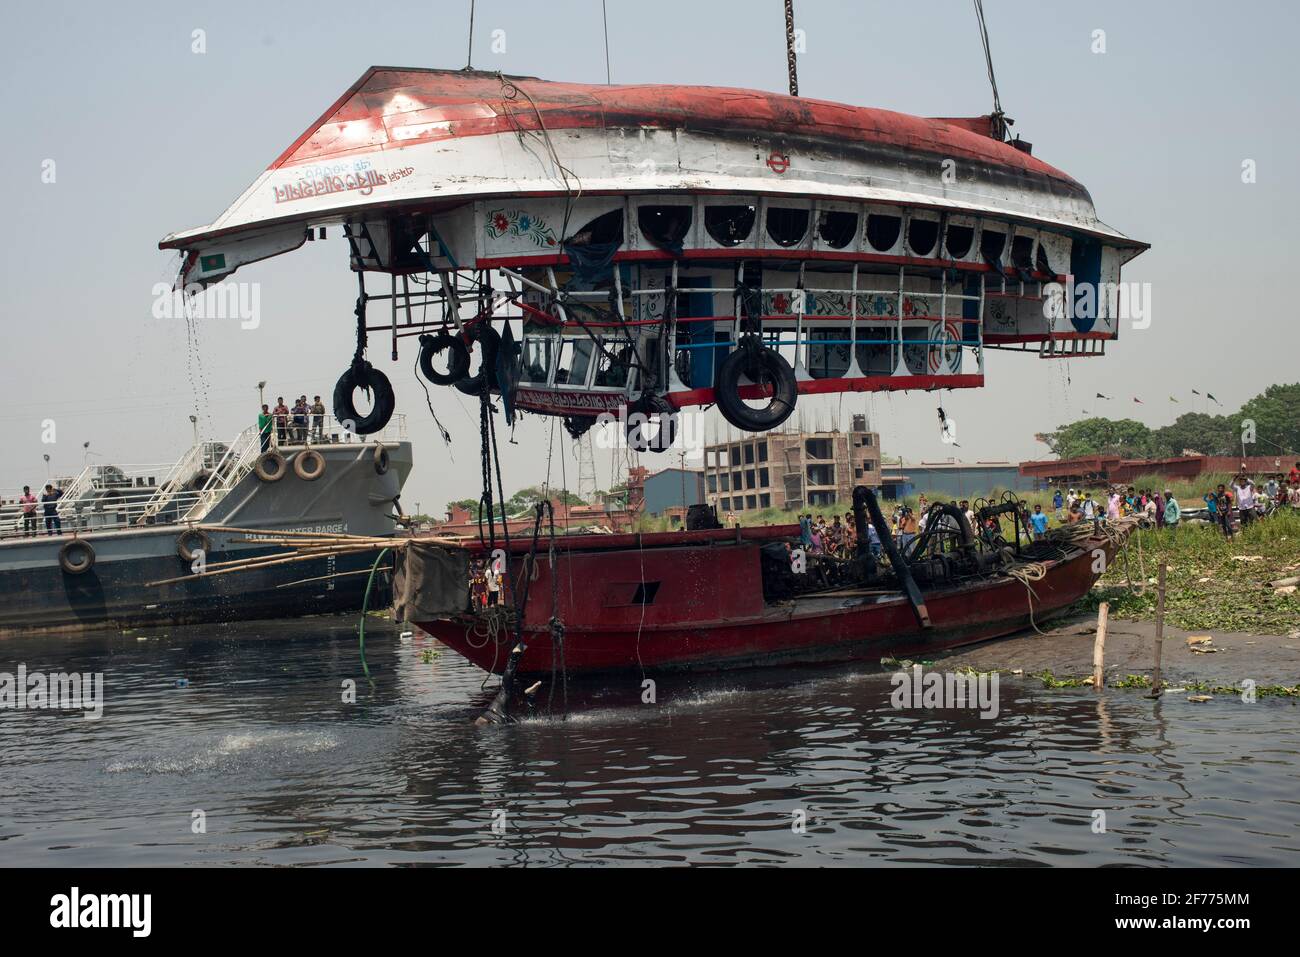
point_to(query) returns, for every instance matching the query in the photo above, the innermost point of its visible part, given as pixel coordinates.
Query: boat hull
(727, 625)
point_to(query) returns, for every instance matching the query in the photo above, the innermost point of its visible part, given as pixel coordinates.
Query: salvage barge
(719, 598)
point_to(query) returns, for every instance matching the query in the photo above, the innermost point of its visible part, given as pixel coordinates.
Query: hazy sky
(148, 137)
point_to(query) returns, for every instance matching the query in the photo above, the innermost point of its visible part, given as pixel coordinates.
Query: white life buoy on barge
(309, 465)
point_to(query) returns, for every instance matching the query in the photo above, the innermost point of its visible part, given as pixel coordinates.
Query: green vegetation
(1212, 582)
(1276, 431)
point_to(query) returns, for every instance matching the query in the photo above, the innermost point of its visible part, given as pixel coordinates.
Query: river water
(232, 745)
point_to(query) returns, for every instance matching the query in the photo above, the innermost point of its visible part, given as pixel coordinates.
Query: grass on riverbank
(1212, 582)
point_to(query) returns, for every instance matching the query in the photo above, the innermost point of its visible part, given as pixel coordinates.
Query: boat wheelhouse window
(787, 227)
(1022, 248)
(882, 231)
(602, 230)
(575, 361)
(992, 243)
(837, 229)
(614, 363)
(959, 240)
(922, 234)
(536, 359)
(664, 225)
(729, 225)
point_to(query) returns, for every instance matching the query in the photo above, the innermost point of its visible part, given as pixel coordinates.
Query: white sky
(149, 137)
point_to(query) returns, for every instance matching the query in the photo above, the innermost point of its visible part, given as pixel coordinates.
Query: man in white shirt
(1243, 490)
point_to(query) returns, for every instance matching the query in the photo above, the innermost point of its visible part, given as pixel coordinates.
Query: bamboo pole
(1099, 646)
(254, 565)
(1160, 628)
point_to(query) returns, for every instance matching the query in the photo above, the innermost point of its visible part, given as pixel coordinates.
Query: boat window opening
(536, 359)
(882, 231)
(664, 225)
(875, 354)
(1040, 260)
(613, 372)
(916, 350)
(1021, 249)
(575, 361)
(645, 593)
(786, 226)
(837, 228)
(603, 230)
(922, 234)
(831, 360)
(729, 225)
(991, 245)
(959, 241)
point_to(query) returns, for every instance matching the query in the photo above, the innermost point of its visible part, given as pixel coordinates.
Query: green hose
(365, 604)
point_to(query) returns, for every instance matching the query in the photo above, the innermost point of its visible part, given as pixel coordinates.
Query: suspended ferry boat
(665, 246)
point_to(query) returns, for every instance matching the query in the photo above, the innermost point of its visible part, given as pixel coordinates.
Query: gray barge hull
(38, 595)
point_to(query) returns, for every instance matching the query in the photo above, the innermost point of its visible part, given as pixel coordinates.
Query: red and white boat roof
(426, 139)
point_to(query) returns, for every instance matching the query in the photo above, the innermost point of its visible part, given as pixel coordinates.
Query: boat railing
(173, 483)
(101, 509)
(290, 432)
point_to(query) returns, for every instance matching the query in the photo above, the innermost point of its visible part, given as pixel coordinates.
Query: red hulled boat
(703, 600)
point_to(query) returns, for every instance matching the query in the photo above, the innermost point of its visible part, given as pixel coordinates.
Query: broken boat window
(1040, 260)
(992, 243)
(837, 228)
(613, 372)
(959, 240)
(601, 230)
(882, 231)
(1022, 248)
(729, 225)
(537, 359)
(664, 225)
(922, 234)
(786, 226)
(575, 360)
(645, 593)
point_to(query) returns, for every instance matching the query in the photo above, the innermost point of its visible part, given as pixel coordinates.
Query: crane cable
(789, 47)
(1000, 125)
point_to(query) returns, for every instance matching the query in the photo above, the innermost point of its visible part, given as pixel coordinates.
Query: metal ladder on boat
(237, 462)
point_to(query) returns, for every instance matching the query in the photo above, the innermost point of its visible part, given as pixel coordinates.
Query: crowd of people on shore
(283, 425)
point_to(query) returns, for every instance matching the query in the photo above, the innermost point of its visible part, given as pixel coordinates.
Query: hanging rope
(609, 79)
(999, 123)
(469, 56)
(789, 47)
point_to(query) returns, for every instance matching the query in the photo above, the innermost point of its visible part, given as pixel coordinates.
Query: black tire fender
(489, 341)
(270, 466)
(457, 358)
(639, 414)
(77, 557)
(192, 540)
(752, 358)
(363, 375)
(309, 465)
(381, 459)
